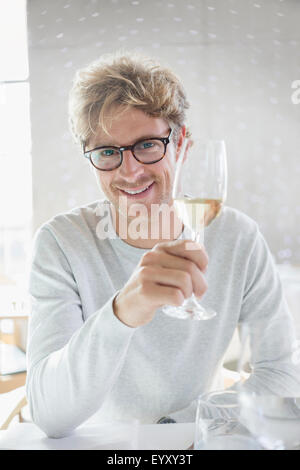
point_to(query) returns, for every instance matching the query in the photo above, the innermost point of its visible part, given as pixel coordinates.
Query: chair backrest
(11, 404)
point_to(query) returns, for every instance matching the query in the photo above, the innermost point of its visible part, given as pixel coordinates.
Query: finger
(168, 277)
(183, 249)
(166, 260)
(162, 295)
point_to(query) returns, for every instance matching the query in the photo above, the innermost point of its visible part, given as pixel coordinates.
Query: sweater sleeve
(72, 364)
(269, 326)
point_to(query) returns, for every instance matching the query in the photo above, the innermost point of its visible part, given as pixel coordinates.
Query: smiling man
(141, 174)
(100, 349)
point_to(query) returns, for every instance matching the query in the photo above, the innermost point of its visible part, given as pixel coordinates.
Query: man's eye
(146, 145)
(108, 153)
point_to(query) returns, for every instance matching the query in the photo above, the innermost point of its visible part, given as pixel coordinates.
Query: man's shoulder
(234, 224)
(232, 236)
(84, 217)
(237, 219)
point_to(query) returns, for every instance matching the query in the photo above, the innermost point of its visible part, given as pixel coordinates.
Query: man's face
(127, 128)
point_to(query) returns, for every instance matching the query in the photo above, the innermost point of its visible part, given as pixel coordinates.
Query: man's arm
(72, 364)
(270, 326)
(275, 365)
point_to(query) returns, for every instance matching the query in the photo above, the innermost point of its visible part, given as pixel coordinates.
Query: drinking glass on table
(199, 192)
(218, 426)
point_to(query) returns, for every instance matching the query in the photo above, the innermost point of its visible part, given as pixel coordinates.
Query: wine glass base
(189, 310)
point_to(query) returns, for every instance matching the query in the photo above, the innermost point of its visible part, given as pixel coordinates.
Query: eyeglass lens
(148, 151)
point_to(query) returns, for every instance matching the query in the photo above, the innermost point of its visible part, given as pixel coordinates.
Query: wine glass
(199, 191)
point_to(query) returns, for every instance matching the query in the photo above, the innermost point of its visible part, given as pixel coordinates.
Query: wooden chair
(11, 405)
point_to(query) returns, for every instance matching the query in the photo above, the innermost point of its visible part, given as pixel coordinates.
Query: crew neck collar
(124, 246)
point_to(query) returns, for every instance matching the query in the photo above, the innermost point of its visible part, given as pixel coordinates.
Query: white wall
(237, 60)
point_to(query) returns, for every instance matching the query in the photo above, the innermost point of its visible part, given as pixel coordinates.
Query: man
(100, 348)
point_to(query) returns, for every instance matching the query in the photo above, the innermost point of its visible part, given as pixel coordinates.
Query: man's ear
(180, 144)
(181, 138)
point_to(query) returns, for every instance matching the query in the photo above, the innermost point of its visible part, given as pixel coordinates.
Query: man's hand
(166, 275)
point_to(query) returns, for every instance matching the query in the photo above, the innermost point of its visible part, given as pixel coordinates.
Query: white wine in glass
(197, 213)
(199, 192)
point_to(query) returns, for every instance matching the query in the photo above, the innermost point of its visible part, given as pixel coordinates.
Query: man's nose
(130, 165)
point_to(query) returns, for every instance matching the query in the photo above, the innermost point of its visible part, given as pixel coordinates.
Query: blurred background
(240, 64)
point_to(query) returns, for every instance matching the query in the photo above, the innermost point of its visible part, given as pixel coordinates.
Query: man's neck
(146, 233)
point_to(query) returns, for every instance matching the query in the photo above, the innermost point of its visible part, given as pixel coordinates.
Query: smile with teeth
(137, 191)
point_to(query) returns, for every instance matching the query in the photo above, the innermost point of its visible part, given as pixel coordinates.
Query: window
(15, 144)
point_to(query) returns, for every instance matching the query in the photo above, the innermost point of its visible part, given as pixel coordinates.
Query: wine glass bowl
(199, 192)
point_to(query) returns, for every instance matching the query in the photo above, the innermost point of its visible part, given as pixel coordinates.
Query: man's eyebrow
(143, 137)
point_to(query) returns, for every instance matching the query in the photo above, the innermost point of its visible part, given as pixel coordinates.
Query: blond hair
(126, 79)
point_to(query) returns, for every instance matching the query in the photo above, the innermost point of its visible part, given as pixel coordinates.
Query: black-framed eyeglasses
(146, 151)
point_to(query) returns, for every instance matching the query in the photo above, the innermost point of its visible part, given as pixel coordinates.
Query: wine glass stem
(198, 236)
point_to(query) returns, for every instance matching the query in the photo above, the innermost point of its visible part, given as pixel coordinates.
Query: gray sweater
(84, 364)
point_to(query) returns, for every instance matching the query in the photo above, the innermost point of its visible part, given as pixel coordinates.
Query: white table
(27, 436)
